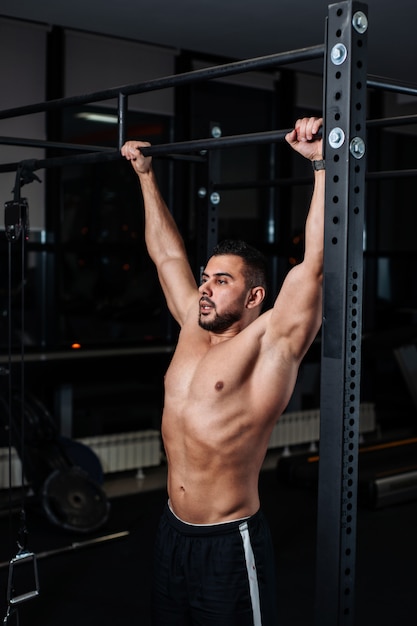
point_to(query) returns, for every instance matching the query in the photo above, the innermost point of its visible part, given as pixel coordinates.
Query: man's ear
(256, 297)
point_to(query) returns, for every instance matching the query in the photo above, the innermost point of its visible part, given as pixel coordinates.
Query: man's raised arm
(164, 243)
(297, 312)
(303, 139)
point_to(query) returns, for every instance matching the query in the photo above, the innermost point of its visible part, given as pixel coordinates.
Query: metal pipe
(214, 143)
(122, 119)
(186, 78)
(88, 159)
(379, 83)
(391, 174)
(41, 143)
(176, 150)
(76, 545)
(76, 159)
(169, 149)
(402, 120)
(260, 184)
(292, 182)
(161, 149)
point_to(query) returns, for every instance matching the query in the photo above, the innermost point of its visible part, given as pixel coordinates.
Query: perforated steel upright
(209, 217)
(345, 153)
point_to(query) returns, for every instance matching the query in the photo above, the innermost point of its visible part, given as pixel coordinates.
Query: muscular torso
(221, 403)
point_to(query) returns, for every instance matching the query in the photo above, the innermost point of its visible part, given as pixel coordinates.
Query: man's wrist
(319, 164)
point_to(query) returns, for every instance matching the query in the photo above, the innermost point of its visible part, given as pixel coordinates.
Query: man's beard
(220, 322)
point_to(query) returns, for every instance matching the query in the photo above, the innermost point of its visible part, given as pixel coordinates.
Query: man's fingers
(307, 128)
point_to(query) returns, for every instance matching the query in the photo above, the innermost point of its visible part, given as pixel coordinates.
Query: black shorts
(214, 575)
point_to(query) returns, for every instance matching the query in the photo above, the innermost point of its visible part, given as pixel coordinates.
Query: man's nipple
(219, 385)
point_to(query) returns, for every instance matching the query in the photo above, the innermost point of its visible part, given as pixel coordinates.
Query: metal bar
(41, 143)
(382, 175)
(290, 182)
(230, 141)
(122, 119)
(402, 120)
(186, 78)
(76, 159)
(172, 150)
(169, 149)
(80, 355)
(345, 115)
(377, 82)
(108, 155)
(77, 545)
(259, 184)
(211, 226)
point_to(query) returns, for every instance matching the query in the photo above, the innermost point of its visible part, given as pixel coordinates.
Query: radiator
(117, 453)
(126, 451)
(139, 449)
(298, 427)
(15, 466)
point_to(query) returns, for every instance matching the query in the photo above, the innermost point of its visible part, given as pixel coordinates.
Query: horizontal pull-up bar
(169, 149)
(174, 150)
(100, 154)
(186, 78)
(231, 141)
(403, 120)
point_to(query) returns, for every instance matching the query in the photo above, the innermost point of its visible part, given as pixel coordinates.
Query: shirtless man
(231, 377)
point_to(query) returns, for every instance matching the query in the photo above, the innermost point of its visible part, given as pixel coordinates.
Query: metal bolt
(215, 198)
(202, 192)
(360, 22)
(357, 147)
(336, 137)
(338, 54)
(216, 132)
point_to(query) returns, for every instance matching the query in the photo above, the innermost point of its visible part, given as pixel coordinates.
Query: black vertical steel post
(209, 221)
(122, 119)
(344, 136)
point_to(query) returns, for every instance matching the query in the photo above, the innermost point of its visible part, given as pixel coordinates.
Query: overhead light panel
(103, 118)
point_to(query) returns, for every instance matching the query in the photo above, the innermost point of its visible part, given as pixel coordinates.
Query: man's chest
(209, 374)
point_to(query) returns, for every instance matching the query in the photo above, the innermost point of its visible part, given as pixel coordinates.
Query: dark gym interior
(86, 337)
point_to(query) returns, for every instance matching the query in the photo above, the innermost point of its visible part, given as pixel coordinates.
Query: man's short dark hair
(255, 261)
